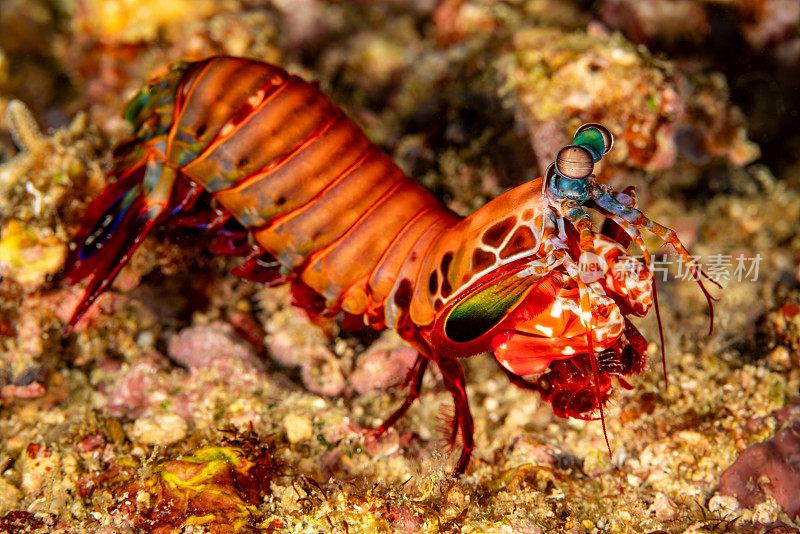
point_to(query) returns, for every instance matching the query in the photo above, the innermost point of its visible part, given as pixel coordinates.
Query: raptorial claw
(117, 222)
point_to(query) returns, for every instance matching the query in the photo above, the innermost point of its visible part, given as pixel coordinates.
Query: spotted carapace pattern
(285, 179)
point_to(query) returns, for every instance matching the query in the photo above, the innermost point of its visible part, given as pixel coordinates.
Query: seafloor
(191, 401)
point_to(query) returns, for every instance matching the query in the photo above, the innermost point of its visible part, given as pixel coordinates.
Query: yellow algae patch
(27, 257)
(128, 21)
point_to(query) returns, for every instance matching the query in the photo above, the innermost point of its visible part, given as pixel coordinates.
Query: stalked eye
(574, 162)
(106, 224)
(595, 136)
(482, 311)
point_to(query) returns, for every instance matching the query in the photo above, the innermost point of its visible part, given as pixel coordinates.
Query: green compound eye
(482, 311)
(595, 138)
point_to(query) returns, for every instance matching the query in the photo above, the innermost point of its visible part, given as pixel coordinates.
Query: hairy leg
(453, 377)
(414, 382)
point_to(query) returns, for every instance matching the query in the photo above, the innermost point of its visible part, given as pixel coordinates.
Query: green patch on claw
(482, 311)
(136, 105)
(151, 110)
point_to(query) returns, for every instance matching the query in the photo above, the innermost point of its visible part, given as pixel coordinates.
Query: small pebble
(780, 358)
(766, 512)
(200, 345)
(142, 501)
(298, 428)
(665, 509)
(723, 506)
(596, 462)
(39, 464)
(163, 429)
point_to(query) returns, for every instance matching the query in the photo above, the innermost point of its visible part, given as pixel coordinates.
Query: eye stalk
(567, 178)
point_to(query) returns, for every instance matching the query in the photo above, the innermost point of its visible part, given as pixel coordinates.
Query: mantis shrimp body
(290, 183)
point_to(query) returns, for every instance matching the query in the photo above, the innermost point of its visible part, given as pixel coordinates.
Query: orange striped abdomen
(301, 176)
